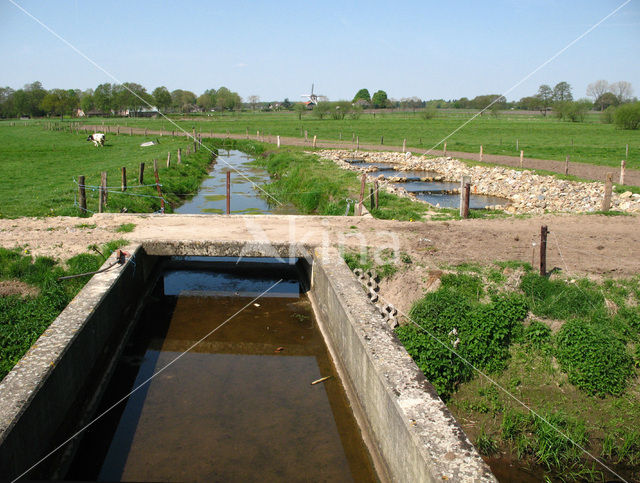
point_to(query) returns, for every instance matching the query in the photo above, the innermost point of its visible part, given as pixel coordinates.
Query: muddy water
(238, 406)
(245, 196)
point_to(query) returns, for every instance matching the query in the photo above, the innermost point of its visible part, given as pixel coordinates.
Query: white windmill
(313, 98)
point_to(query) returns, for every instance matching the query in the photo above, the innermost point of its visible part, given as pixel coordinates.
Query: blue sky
(275, 50)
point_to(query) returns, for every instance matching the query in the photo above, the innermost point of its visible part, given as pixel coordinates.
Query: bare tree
(597, 88)
(622, 90)
(253, 100)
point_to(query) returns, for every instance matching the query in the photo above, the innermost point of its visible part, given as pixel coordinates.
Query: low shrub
(627, 116)
(448, 324)
(593, 358)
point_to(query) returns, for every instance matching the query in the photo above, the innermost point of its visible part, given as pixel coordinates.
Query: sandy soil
(579, 245)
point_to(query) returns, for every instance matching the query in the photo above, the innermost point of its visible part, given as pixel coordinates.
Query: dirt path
(582, 170)
(579, 245)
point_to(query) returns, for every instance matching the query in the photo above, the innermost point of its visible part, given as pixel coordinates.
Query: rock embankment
(526, 191)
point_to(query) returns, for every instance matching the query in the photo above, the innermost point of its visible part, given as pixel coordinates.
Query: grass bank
(40, 168)
(31, 297)
(569, 349)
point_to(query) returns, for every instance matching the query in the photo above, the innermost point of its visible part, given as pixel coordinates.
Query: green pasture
(39, 170)
(539, 137)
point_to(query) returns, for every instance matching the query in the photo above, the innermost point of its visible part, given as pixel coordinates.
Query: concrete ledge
(39, 392)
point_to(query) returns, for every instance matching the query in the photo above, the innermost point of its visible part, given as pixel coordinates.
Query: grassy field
(39, 169)
(539, 137)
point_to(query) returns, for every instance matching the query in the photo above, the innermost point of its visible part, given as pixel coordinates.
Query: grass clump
(126, 228)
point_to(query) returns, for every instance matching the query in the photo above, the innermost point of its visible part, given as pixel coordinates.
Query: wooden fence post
(623, 165)
(278, 138)
(543, 250)
(169, 159)
(381, 140)
(364, 179)
(179, 155)
(467, 194)
(103, 192)
(228, 192)
(82, 194)
(141, 174)
(608, 185)
(123, 183)
(357, 143)
(481, 153)
(521, 158)
(306, 135)
(464, 181)
(404, 145)
(314, 140)
(375, 193)
(517, 144)
(566, 165)
(246, 132)
(157, 177)
(445, 150)
(371, 200)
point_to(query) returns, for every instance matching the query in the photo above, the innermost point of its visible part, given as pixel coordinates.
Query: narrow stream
(442, 194)
(245, 194)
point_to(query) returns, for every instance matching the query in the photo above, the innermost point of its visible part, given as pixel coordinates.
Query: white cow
(97, 138)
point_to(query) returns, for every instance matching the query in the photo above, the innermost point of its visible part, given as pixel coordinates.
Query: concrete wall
(416, 435)
(37, 396)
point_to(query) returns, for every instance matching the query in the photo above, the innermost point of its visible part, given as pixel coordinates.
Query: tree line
(108, 99)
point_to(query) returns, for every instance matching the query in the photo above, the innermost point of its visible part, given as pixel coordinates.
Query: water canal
(245, 195)
(240, 404)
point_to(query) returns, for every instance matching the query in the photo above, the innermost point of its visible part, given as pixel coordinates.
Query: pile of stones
(526, 191)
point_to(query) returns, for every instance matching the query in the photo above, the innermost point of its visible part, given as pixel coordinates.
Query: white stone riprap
(527, 192)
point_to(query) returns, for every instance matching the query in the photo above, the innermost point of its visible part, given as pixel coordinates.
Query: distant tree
(627, 116)
(253, 100)
(531, 103)
(574, 111)
(562, 92)
(286, 104)
(356, 110)
(545, 95)
(462, 103)
(362, 94)
(484, 101)
(300, 108)
(161, 98)
(321, 109)
(607, 99)
(622, 90)
(207, 100)
(103, 98)
(132, 96)
(7, 108)
(183, 101)
(596, 89)
(227, 100)
(87, 103)
(379, 99)
(60, 102)
(340, 109)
